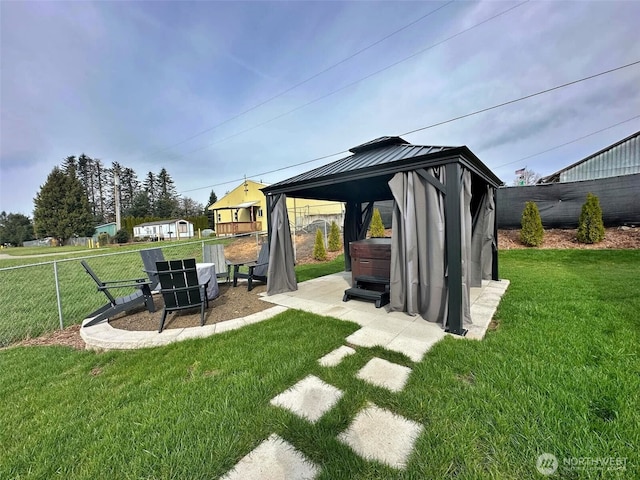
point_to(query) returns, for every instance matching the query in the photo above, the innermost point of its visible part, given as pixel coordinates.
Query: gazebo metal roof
(368, 171)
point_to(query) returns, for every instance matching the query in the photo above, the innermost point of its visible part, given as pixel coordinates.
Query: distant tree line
(80, 194)
(154, 196)
(15, 228)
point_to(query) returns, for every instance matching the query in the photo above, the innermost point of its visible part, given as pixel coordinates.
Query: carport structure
(444, 234)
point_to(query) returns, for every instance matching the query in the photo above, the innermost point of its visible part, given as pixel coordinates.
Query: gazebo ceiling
(364, 176)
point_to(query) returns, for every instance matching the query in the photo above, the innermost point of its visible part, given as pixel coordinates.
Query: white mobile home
(175, 229)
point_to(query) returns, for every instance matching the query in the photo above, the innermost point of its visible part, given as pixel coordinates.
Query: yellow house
(244, 210)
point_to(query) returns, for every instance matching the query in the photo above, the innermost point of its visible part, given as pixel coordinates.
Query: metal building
(621, 158)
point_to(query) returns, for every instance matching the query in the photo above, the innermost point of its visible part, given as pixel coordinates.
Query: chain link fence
(42, 297)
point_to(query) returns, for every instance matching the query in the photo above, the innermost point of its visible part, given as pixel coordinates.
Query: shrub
(334, 238)
(590, 226)
(376, 230)
(121, 236)
(319, 252)
(103, 239)
(532, 231)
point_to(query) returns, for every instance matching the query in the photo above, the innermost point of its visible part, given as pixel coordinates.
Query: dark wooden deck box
(371, 257)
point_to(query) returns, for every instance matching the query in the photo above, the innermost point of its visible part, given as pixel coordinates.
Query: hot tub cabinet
(370, 270)
(371, 257)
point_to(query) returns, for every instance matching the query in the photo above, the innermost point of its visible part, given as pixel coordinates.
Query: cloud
(124, 81)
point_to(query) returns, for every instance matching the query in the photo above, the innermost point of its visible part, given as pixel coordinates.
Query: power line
(569, 142)
(293, 87)
(267, 173)
(558, 87)
(564, 85)
(344, 87)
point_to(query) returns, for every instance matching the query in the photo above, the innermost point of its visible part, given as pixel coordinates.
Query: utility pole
(116, 195)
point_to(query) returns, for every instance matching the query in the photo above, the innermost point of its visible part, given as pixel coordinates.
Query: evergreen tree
(376, 230)
(590, 225)
(532, 232)
(165, 184)
(150, 189)
(69, 165)
(319, 252)
(140, 206)
(334, 238)
(213, 198)
(167, 200)
(129, 187)
(165, 206)
(85, 174)
(61, 208)
(99, 176)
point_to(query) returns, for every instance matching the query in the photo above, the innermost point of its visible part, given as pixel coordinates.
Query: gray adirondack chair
(257, 270)
(150, 257)
(142, 296)
(215, 254)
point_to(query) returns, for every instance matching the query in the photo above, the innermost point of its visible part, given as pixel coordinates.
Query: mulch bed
(233, 302)
(618, 237)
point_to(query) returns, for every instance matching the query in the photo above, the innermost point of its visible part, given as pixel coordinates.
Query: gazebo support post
(494, 249)
(453, 236)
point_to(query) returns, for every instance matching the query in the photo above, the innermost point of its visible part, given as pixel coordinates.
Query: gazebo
(444, 233)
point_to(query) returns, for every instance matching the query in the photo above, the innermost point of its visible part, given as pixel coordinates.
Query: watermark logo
(547, 464)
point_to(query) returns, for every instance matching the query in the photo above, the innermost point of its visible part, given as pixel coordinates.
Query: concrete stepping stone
(385, 374)
(381, 435)
(310, 398)
(332, 359)
(273, 459)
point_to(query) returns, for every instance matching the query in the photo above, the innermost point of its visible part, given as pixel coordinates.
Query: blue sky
(123, 81)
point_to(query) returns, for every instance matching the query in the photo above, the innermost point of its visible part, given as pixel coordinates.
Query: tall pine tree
(167, 201)
(61, 207)
(213, 198)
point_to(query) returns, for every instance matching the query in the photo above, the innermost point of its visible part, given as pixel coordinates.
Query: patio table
(207, 276)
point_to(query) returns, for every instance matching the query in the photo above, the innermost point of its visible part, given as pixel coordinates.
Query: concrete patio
(397, 331)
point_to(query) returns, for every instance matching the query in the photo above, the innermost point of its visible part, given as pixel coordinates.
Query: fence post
(55, 276)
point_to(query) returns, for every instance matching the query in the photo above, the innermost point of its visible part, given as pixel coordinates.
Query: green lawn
(28, 305)
(561, 374)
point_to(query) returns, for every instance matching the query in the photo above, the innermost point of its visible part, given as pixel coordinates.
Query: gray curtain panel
(281, 276)
(483, 242)
(418, 283)
(490, 244)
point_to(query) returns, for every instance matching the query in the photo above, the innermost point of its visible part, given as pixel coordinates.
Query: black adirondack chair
(150, 257)
(142, 296)
(257, 270)
(180, 288)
